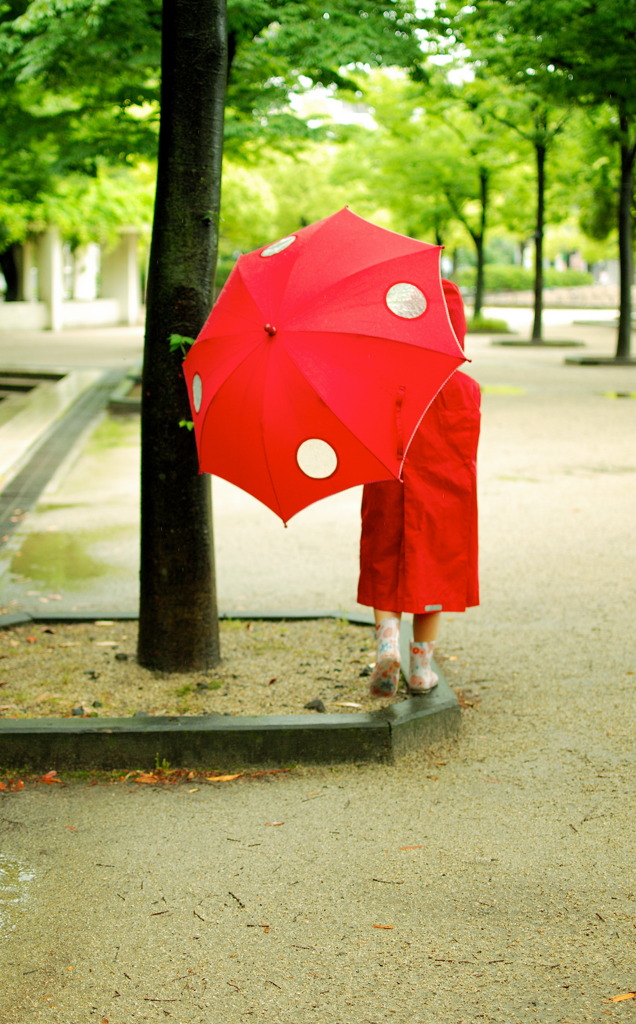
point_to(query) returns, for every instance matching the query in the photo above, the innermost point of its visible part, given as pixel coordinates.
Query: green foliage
(71, 126)
(88, 208)
(180, 343)
(79, 97)
(565, 51)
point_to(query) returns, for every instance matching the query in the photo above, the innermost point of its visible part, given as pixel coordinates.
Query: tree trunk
(9, 268)
(625, 242)
(537, 326)
(479, 239)
(178, 619)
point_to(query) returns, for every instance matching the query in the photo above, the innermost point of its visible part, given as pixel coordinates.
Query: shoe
(421, 675)
(386, 673)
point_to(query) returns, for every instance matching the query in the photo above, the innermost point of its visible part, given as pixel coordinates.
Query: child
(418, 546)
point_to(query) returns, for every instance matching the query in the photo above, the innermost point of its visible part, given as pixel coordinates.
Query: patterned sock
(421, 676)
(386, 674)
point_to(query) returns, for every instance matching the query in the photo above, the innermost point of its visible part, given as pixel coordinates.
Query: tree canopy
(572, 52)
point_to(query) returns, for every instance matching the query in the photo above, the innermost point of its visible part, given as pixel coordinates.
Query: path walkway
(491, 881)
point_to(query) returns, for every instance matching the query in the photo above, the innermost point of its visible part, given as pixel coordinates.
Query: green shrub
(502, 278)
(487, 325)
(506, 278)
(566, 278)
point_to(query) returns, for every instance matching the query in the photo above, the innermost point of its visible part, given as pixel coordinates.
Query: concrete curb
(21, 435)
(601, 360)
(217, 740)
(120, 402)
(525, 343)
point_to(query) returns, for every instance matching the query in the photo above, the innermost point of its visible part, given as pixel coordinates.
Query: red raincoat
(418, 547)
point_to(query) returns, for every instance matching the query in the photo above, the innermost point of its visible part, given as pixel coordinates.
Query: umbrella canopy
(318, 361)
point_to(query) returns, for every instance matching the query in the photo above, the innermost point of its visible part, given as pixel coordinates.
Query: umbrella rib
(346, 425)
(429, 251)
(263, 441)
(382, 338)
(417, 425)
(334, 413)
(240, 363)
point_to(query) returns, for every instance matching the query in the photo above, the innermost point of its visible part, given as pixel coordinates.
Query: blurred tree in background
(572, 53)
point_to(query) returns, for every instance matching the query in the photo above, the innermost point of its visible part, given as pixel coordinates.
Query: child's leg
(426, 626)
(425, 630)
(386, 674)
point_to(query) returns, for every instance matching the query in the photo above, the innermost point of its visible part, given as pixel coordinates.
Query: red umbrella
(318, 361)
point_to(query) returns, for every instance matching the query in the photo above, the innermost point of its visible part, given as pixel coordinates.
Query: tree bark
(537, 325)
(479, 240)
(625, 241)
(178, 619)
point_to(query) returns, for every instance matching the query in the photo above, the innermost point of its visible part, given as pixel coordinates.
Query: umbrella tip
(270, 330)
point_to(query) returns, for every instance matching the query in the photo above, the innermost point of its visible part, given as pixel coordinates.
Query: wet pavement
(487, 880)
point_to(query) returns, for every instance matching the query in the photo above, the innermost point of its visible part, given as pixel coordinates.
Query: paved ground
(491, 881)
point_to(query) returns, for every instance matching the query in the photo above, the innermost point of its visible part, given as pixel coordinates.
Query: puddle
(15, 891)
(58, 559)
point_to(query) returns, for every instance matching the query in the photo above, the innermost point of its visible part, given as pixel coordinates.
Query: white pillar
(120, 277)
(86, 264)
(51, 276)
(26, 273)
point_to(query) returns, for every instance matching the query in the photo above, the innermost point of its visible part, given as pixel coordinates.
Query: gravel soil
(267, 668)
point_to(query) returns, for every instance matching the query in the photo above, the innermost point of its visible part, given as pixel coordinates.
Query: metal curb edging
(212, 741)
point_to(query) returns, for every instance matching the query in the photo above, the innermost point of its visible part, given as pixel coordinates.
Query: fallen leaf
(621, 998)
(386, 927)
(223, 778)
(71, 828)
(32, 639)
(50, 778)
(274, 822)
(147, 778)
